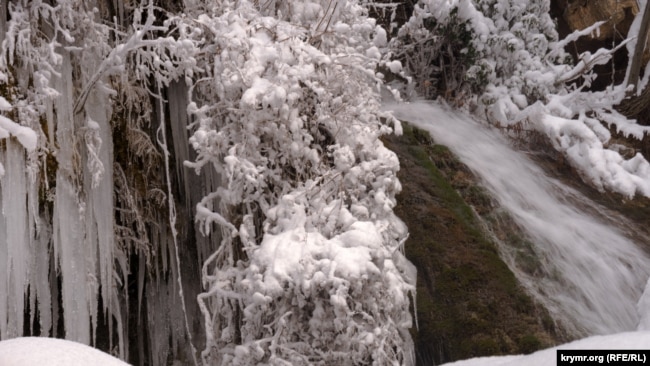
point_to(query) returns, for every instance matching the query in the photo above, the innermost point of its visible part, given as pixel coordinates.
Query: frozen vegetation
(305, 263)
(509, 51)
(142, 140)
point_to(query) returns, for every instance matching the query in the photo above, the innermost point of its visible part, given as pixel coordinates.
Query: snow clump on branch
(311, 268)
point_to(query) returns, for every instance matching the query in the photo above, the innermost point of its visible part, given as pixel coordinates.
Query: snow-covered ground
(547, 357)
(35, 351)
(40, 351)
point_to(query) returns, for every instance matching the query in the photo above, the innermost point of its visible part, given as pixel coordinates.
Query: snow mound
(38, 351)
(629, 340)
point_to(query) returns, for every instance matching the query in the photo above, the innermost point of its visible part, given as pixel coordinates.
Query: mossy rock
(529, 343)
(468, 301)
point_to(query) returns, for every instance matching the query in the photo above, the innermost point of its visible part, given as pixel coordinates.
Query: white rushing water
(592, 274)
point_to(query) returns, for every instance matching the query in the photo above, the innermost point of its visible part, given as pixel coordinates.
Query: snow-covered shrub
(463, 48)
(535, 87)
(440, 49)
(285, 101)
(310, 270)
(521, 76)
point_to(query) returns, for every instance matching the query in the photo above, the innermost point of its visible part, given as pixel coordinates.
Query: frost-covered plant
(310, 270)
(441, 51)
(285, 103)
(25, 135)
(462, 47)
(525, 79)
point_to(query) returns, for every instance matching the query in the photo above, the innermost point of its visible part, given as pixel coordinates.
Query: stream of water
(592, 274)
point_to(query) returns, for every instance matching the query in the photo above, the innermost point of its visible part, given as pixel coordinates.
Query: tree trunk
(3, 20)
(635, 67)
(634, 104)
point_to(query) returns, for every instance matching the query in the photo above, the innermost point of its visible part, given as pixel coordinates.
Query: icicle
(195, 186)
(68, 238)
(177, 99)
(39, 236)
(3, 20)
(68, 217)
(99, 209)
(4, 267)
(122, 265)
(40, 278)
(14, 207)
(191, 188)
(162, 142)
(162, 298)
(90, 244)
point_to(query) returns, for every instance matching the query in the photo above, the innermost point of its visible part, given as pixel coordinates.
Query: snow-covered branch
(306, 205)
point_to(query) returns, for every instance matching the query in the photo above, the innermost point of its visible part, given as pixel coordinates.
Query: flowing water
(592, 274)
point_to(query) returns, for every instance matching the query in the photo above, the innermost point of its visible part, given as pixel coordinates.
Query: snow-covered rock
(39, 351)
(629, 340)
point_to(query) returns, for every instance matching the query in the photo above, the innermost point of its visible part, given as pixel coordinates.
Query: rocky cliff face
(617, 15)
(572, 15)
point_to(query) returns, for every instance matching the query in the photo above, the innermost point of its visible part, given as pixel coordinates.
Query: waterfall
(592, 274)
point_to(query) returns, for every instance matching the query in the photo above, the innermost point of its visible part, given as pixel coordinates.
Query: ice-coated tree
(503, 59)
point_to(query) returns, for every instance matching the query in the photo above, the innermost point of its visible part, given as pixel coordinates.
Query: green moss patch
(469, 303)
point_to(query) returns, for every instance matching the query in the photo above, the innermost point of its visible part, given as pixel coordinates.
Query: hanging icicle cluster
(83, 226)
(55, 198)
